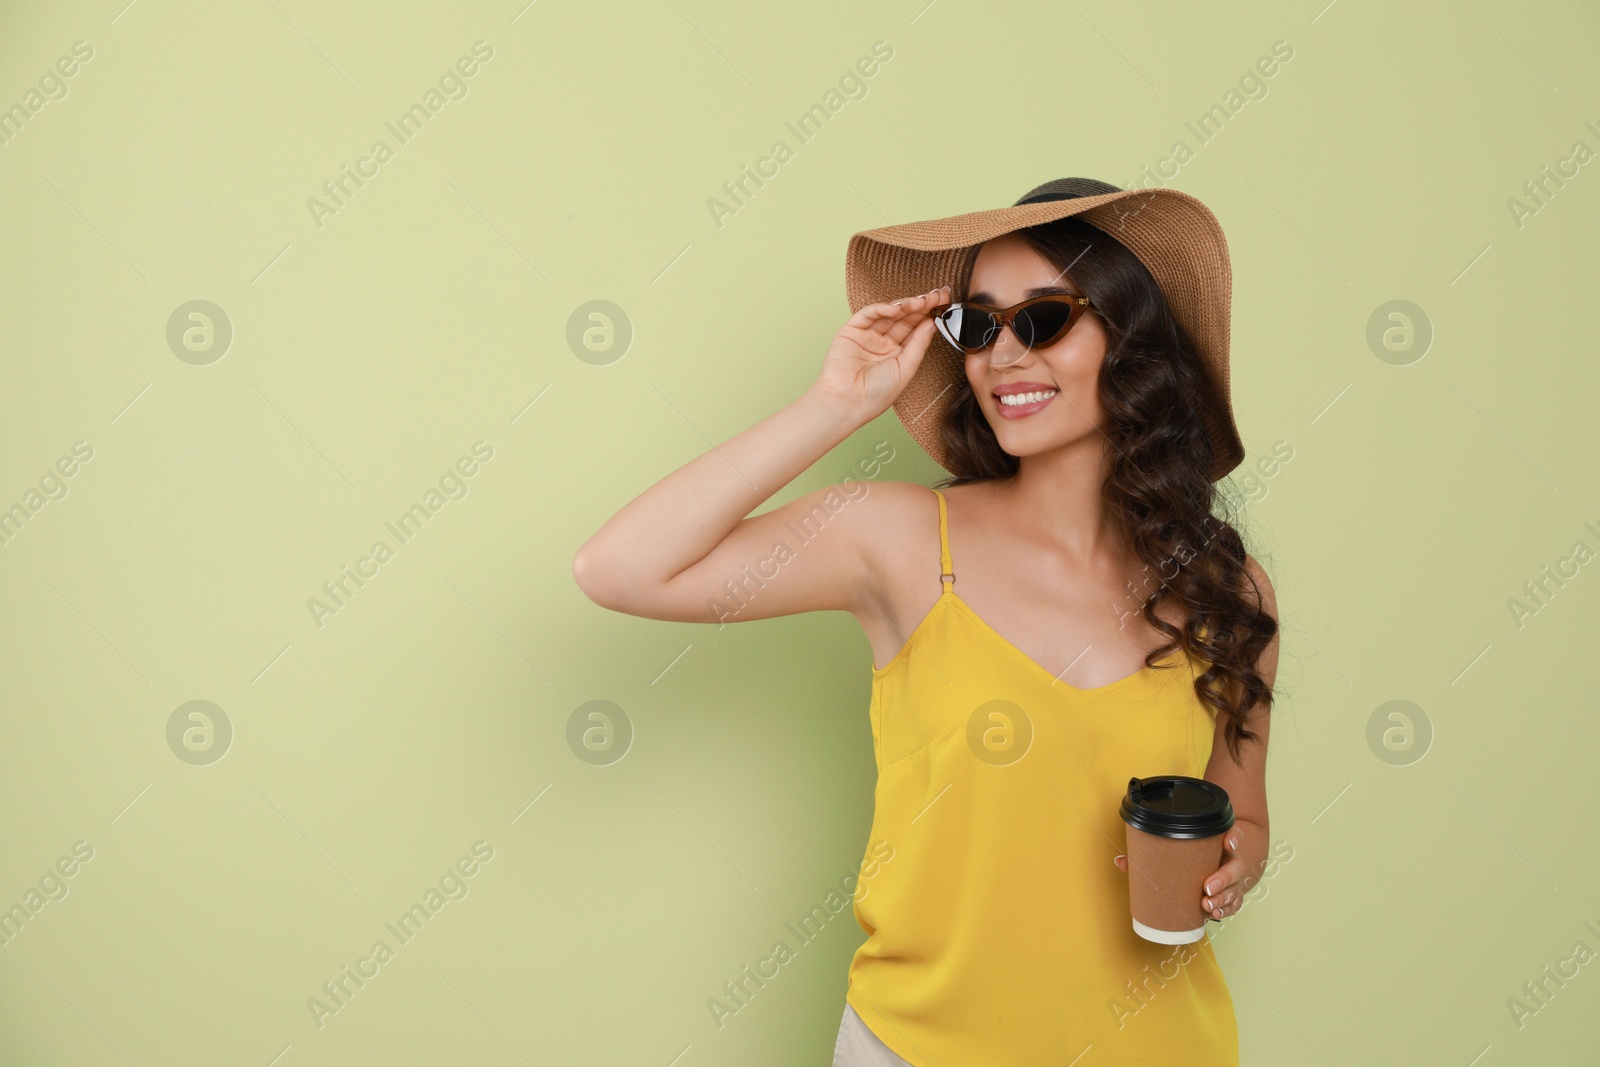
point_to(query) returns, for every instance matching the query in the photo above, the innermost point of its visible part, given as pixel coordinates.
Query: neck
(1059, 493)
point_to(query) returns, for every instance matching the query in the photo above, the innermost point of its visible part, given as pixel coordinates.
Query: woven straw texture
(1174, 235)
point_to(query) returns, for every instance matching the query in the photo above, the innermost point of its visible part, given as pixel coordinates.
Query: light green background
(370, 353)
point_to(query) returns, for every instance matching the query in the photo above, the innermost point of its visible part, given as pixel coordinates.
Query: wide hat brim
(1174, 235)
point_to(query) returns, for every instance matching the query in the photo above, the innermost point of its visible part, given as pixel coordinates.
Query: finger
(1230, 901)
(875, 316)
(882, 315)
(1231, 871)
(872, 315)
(919, 337)
(1222, 889)
(1228, 874)
(1226, 896)
(923, 302)
(901, 330)
(1121, 862)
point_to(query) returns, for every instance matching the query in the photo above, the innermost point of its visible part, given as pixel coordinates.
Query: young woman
(1108, 624)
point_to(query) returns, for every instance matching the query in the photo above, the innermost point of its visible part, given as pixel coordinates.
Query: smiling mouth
(1021, 405)
(1024, 399)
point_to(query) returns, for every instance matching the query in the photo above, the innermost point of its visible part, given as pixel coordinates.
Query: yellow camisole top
(998, 929)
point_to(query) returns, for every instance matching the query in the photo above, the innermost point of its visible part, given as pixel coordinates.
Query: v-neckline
(1034, 665)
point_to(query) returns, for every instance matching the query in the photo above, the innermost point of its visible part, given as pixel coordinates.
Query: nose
(1007, 348)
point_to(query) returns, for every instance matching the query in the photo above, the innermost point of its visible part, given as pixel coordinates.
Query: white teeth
(1012, 400)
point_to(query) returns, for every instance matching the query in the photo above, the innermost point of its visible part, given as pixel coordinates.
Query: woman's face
(1008, 271)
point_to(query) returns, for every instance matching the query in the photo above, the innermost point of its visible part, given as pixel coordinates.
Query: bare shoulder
(895, 518)
(1267, 664)
(901, 498)
(896, 534)
(1258, 575)
(876, 512)
(895, 528)
(882, 501)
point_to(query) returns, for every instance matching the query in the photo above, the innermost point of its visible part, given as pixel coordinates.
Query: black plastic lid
(1172, 805)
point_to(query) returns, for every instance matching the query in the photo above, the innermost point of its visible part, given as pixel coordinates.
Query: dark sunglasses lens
(969, 328)
(1040, 324)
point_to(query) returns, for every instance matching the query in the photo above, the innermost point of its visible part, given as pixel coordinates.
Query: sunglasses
(1037, 323)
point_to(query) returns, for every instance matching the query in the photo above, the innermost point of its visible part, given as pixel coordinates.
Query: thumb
(912, 349)
(916, 346)
(921, 335)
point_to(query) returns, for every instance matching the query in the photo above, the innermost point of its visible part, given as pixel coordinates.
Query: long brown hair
(1152, 387)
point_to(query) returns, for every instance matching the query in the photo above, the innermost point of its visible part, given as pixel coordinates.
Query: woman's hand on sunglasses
(873, 357)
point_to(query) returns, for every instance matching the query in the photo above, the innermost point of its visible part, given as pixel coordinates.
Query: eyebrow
(982, 297)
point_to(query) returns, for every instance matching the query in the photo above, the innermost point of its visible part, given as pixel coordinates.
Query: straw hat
(1174, 235)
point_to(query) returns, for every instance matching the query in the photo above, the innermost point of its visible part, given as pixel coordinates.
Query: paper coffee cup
(1175, 826)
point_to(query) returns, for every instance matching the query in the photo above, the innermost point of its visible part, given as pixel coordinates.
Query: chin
(1034, 442)
(1021, 445)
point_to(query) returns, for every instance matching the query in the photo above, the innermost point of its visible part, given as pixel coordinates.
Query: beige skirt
(857, 1046)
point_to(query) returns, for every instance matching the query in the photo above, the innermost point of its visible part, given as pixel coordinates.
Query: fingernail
(897, 303)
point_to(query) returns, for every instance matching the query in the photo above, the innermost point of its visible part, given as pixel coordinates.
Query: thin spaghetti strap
(947, 578)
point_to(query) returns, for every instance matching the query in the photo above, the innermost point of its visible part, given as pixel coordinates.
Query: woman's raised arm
(671, 552)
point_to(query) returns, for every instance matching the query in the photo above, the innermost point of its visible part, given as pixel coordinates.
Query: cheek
(974, 375)
(1085, 356)
(1078, 374)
